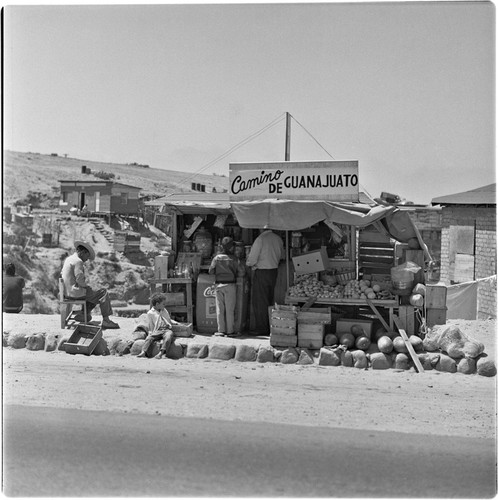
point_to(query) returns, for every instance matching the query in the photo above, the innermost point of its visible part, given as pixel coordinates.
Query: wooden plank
(411, 350)
(308, 303)
(377, 313)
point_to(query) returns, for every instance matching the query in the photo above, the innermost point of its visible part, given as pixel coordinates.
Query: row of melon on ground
(338, 355)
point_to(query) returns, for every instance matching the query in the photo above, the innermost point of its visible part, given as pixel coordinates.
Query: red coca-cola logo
(210, 291)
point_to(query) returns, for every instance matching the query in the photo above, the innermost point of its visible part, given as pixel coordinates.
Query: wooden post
(287, 136)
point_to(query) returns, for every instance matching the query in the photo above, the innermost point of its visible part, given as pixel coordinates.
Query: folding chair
(66, 306)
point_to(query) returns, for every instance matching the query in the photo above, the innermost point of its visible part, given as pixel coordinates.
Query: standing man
(73, 275)
(266, 253)
(12, 286)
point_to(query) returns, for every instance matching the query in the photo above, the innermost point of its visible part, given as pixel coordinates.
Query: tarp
(461, 301)
(293, 215)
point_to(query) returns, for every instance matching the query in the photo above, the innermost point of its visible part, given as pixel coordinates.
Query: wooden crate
(161, 267)
(310, 336)
(406, 316)
(435, 296)
(435, 316)
(183, 330)
(283, 340)
(316, 315)
(83, 340)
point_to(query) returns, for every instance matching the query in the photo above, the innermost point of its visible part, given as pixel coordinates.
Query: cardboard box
(311, 262)
(345, 325)
(83, 340)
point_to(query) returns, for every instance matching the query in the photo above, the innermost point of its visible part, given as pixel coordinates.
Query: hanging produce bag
(403, 277)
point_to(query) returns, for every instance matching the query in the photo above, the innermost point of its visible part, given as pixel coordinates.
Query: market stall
(196, 223)
(341, 245)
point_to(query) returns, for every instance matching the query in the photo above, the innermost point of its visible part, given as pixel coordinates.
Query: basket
(343, 278)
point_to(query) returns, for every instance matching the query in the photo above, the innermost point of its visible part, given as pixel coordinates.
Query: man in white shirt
(73, 275)
(266, 253)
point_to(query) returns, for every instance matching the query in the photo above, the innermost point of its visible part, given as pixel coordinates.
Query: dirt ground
(320, 396)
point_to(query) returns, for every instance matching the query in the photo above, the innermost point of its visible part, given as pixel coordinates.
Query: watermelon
(357, 330)
(416, 342)
(385, 344)
(347, 339)
(362, 343)
(330, 339)
(417, 300)
(399, 344)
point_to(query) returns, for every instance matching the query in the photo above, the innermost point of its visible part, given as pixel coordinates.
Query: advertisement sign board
(306, 180)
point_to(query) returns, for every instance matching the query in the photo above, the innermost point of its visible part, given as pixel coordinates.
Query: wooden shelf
(187, 282)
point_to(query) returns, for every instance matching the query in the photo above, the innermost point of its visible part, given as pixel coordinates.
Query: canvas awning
(293, 215)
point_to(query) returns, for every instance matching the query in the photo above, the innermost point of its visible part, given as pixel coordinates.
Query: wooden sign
(320, 180)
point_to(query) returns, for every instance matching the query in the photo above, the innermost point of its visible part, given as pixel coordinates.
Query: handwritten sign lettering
(329, 180)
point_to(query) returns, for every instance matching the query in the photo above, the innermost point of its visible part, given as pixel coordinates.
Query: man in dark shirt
(12, 286)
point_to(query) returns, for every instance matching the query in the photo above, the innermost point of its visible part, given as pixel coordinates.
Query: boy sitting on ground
(159, 326)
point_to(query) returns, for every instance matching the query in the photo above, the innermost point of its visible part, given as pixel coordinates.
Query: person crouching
(159, 326)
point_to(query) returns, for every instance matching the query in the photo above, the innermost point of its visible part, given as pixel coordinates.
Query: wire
(233, 148)
(312, 136)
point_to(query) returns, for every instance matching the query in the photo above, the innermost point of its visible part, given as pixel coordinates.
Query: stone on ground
(265, 355)
(204, 352)
(401, 361)
(289, 356)
(35, 342)
(136, 348)
(305, 358)
(486, 367)
(347, 359)
(446, 364)
(245, 353)
(175, 350)
(17, 340)
(380, 361)
(221, 351)
(329, 357)
(51, 341)
(360, 359)
(467, 366)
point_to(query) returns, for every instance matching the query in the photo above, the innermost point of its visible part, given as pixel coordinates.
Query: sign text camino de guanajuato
(310, 180)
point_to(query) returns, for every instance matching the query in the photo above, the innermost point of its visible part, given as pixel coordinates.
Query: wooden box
(435, 316)
(345, 325)
(183, 330)
(316, 315)
(310, 336)
(83, 340)
(407, 319)
(311, 262)
(283, 322)
(283, 340)
(435, 296)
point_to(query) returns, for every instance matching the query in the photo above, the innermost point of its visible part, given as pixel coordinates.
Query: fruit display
(308, 285)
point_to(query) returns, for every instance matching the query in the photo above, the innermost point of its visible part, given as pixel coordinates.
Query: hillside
(40, 176)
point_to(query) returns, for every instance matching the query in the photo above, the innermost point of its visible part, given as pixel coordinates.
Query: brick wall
(484, 221)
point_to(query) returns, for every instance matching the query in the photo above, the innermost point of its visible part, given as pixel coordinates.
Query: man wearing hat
(226, 268)
(73, 275)
(266, 253)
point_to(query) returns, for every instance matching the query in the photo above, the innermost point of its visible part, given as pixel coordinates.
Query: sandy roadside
(387, 400)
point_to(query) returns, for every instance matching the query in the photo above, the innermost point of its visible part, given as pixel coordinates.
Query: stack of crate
(283, 326)
(311, 327)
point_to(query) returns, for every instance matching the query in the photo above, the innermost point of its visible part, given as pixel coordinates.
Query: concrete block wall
(484, 221)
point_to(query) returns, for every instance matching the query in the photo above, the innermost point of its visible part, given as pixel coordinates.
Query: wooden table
(187, 282)
(373, 304)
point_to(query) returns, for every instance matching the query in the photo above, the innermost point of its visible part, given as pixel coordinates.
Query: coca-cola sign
(210, 291)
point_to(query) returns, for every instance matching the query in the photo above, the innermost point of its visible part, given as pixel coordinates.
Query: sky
(405, 88)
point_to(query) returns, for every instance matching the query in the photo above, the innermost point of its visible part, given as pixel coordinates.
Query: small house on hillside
(100, 197)
(468, 242)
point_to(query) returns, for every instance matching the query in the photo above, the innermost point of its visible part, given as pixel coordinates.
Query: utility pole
(287, 135)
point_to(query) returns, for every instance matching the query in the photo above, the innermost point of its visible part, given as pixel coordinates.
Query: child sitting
(159, 326)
